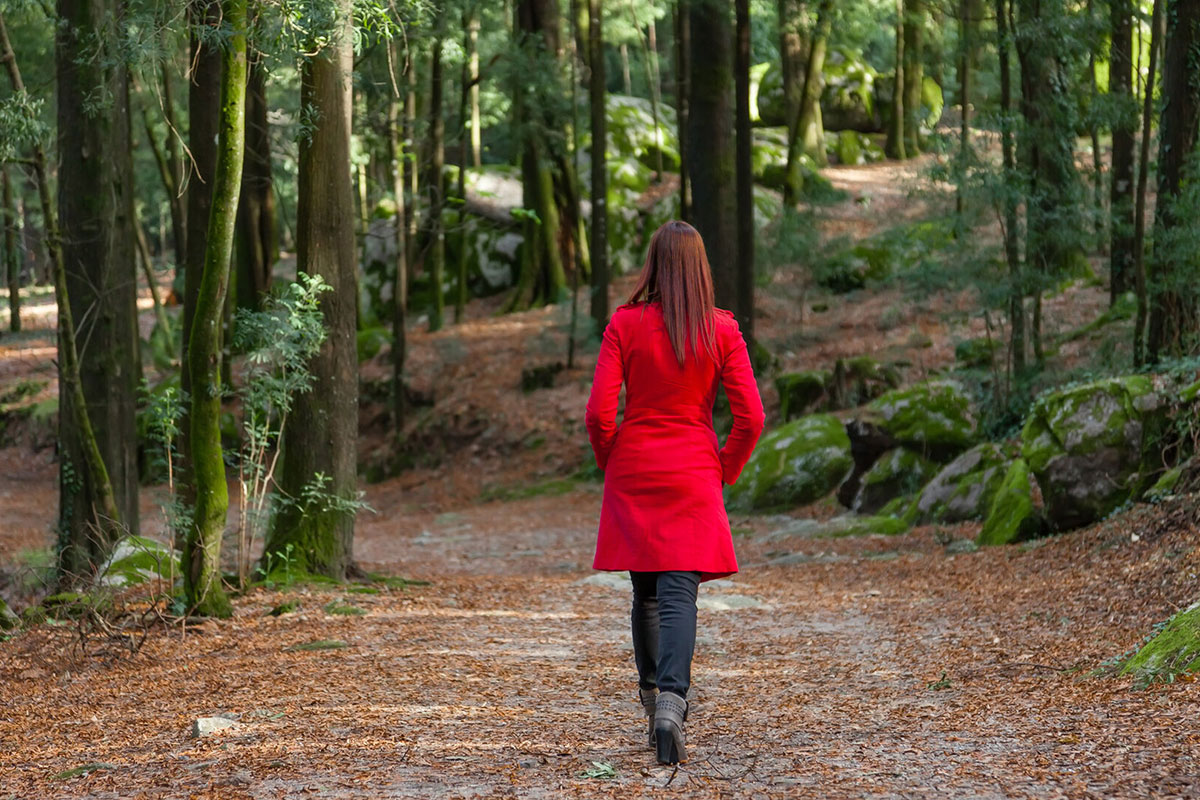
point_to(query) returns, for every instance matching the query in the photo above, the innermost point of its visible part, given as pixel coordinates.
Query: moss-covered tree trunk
(1157, 33)
(710, 142)
(321, 438)
(257, 237)
(204, 107)
(436, 180)
(1174, 328)
(807, 136)
(95, 215)
(400, 231)
(599, 127)
(12, 259)
(1120, 88)
(894, 146)
(202, 552)
(470, 34)
(914, 74)
(792, 56)
(745, 173)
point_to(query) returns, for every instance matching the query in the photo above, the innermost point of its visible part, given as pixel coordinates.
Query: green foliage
(1172, 650)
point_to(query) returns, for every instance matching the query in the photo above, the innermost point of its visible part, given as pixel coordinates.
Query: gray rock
(206, 726)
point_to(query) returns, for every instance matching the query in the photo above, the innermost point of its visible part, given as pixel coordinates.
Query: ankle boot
(647, 698)
(670, 711)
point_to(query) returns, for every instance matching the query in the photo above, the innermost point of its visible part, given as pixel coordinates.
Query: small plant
(600, 770)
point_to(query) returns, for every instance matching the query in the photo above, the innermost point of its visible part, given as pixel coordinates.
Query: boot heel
(670, 712)
(670, 747)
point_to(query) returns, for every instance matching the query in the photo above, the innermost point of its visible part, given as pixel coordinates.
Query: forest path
(816, 675)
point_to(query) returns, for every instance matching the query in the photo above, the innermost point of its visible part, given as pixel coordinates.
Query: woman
(663, 516)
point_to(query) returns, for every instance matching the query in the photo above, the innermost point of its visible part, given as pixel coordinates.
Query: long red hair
(677, 276)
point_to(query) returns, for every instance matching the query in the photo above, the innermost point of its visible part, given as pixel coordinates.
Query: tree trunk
(683, 37)
(257, 237)
(964, 104)
(625, 72)
(599, 126)
(1120, 87)
(470, 29)
(400, 276)
(202, 553)
(322, 435)
(792, 57)
(95, 212)
(710, 143)
(1174, 268)
(1012, 255)
(745, 175)
(412, 173)
(914, 46)
(204, 108)
(808, 134)
(12, 261)
(1157, 34)
(437, 152)
(894, 146)
(473, 72)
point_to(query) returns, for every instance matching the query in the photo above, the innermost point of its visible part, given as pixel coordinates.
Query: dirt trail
(511, 674)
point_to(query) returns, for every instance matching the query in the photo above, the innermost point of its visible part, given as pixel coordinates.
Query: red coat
(663, 472)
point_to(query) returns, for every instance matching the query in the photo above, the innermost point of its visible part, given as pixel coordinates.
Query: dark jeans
(664, 629)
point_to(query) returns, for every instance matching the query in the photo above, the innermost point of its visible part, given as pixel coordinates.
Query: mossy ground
(1173, 652)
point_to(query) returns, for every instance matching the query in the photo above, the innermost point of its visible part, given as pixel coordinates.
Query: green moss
(286, 607)
(897, 474)
(976, 352)
(964, 488)
(799, 391)
(797, 463)
(395, 581)
(1012, 516)
(1174, 651)
(8, 620)
(935, 418)
(137, 559)
(344, 610)
(371, 341)
(547, 488)
(855, 525)
(1165, 484)
(85, 769)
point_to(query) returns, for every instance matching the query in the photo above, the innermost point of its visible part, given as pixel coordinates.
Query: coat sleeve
(737, 376)
(601, 416)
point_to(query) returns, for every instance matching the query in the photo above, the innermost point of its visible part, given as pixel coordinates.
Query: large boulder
(848, 98)
(631, 131)
(1094, 447)
(1013, 515)
(138, 559)
(898, 473)
(799, 392)
(797, 463)
(964, 488)
(934, 418)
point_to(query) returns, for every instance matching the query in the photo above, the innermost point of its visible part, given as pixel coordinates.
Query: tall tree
(436, 180)
(1157, 34)
(106, 522)
(807, 136)
(257, 237)
(472, 67)
(965, 29)
(400, 276)
(914, 75)
(745, 174)
(95, 212)
(1120, 87)
(683, 49)
(710, 142)
(1054, 224)
(1175, 267)
(599, 127)
(12, 256)
(202, 552)
(322, 437)
(894, 146)
(1009, 191)
(791, 57)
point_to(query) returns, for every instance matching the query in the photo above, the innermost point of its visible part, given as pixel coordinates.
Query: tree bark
(683, 37)
(894, 146)
(400, 275)
(473, 73)
(710, 143)
(322, 435)
(436, 181)
(202, 553)
(914, 46)
(745, 175)
(1120, 87)
(12, 262)
(257, 237)
(95, 212)
(1157, 34)
(808, 134)
(1174, 322)
(792, 57)
(599, 127)
(1012, 255)
(964, 103)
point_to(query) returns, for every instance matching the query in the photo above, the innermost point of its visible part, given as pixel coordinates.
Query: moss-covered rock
(1172, 652)
(8, 620)
(898, 473)
(631, 131)
(964, 488)
(1093, 447)
(800, 391)
(848, 100)
(860, 525)
(797, 463)
(934, 418)
(1012, 515)
(138, 559)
